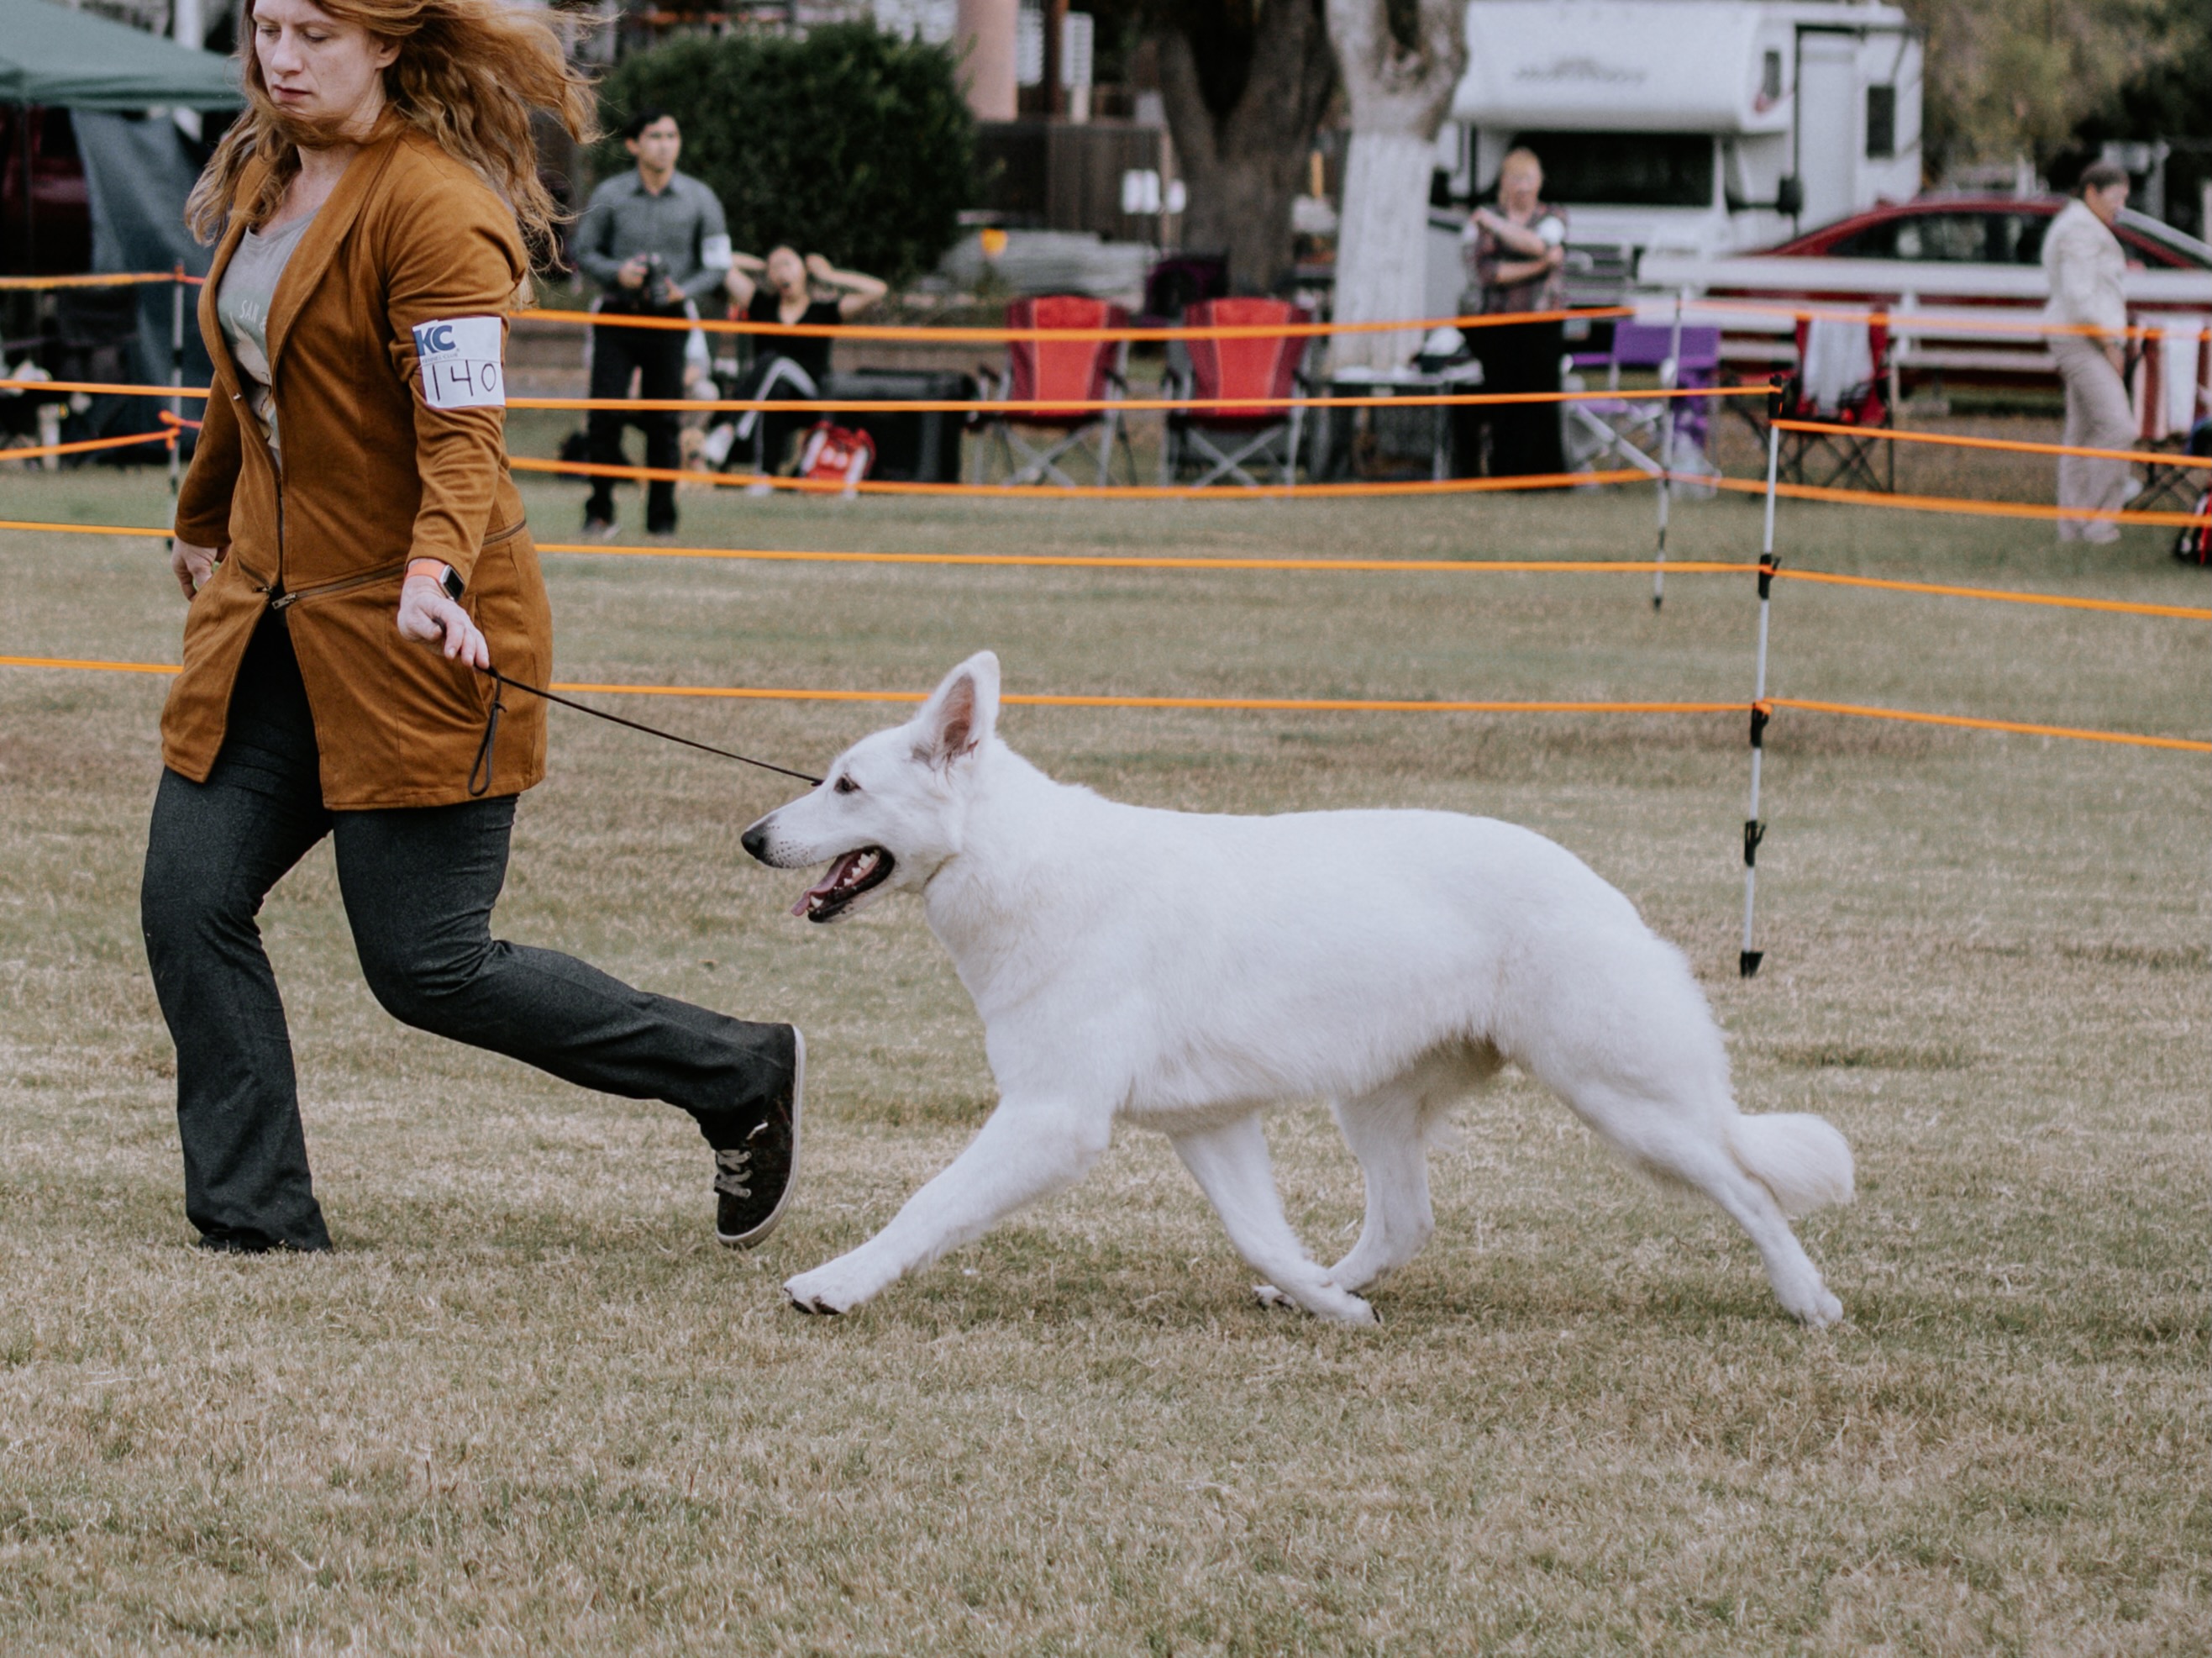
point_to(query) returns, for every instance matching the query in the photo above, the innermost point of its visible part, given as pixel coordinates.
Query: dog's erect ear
(960, 713)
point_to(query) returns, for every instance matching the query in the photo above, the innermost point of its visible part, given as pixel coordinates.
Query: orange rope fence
(1139, 562)
(1943, 503)
(1261, 705)
(95, 387)
(131, 279)
(926, 333)
(1080, 492)
(2008, 445)
(1317, 566)
(1799, 311)
(1015, 409)
(88, 445)
(1853, 710)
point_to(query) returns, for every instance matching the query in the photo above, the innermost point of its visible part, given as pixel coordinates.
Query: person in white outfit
(2086, 267)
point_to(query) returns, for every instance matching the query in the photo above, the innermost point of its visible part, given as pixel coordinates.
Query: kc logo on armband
(460, 363)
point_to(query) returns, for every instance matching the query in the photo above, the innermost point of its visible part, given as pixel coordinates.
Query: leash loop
(484, 757)
(482, 767)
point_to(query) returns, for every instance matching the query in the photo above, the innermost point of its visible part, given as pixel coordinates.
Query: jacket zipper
(282, 600)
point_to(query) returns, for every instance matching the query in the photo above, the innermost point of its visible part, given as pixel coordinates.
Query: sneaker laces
(734, 1168)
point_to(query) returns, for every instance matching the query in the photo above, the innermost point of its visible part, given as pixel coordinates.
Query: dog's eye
(845, 785)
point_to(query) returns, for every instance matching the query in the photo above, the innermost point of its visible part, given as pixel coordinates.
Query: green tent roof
(78, 61)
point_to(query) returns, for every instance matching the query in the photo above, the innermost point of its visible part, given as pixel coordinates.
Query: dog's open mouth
(849, 876)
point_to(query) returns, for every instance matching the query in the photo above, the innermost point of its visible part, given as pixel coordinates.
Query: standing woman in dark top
(353, 554)
(781, 289)
(1515, 253)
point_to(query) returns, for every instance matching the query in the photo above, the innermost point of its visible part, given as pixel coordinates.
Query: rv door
(1826, 140)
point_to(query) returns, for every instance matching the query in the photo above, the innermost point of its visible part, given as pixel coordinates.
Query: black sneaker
(753, 1178)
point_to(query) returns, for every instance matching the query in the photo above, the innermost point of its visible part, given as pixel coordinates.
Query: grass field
(528, 1407)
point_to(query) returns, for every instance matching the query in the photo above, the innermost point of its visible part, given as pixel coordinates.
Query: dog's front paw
(1823, 1312)
(828, 1289)
(1324, 1302)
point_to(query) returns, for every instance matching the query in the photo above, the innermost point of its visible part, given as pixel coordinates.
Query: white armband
(713, 253)
(460, 363)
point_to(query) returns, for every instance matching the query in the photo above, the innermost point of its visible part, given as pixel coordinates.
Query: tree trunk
(1399, 95)
(1243, 163)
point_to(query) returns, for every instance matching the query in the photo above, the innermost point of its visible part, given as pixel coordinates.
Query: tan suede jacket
(386, 345)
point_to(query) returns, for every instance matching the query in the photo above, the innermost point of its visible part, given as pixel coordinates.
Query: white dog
(1183, 971)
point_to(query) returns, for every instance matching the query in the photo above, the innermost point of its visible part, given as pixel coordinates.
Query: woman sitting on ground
(781, 289)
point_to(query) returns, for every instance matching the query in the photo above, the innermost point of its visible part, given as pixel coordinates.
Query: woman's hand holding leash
(193, 564)
(429, 614)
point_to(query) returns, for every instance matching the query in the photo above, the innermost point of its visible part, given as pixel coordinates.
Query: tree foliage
(2010, 77)
(848, 142)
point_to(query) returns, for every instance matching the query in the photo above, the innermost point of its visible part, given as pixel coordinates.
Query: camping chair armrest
(991, 386)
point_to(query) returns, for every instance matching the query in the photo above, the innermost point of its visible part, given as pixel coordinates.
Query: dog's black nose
(755, 841)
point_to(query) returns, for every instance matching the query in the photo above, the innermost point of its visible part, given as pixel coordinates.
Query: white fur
(1184, 971)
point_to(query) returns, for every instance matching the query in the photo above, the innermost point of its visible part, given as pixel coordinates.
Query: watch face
(451, 582)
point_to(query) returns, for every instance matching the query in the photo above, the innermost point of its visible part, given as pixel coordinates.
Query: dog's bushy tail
(1798, 1157)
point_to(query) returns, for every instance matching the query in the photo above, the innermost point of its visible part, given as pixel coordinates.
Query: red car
(1982, 230)
(1962, 278)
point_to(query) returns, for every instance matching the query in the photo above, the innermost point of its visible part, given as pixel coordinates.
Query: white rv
(1698, 127)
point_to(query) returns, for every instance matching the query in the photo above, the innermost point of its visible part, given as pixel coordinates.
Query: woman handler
(2088, 303)
(354, 553)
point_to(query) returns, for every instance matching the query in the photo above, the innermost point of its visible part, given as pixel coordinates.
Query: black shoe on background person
(756, 1163)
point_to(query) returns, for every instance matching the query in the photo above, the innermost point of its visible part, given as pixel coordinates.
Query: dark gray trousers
(419, 885)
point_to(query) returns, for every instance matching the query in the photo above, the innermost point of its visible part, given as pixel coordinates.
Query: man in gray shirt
(655, 239)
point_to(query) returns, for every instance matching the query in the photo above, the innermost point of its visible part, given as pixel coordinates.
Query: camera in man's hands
(649, 296)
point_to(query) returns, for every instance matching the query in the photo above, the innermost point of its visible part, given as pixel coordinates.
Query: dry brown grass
(529, 1407)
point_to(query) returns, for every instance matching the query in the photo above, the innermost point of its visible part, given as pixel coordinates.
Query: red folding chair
(1218, 441)
(1042, 371)
(1838, 384)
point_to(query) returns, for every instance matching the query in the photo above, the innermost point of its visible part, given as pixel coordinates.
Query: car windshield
(1949, 238)
(1624, 169)
(2185, 249)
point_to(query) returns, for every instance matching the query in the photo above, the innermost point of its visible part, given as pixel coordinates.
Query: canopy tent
(74, 60)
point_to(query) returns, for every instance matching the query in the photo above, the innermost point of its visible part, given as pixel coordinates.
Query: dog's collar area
(857, 872)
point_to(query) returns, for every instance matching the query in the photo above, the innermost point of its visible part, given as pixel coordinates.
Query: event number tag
(460, 364)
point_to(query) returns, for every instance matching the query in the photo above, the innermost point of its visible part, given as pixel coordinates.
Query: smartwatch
(448, 578)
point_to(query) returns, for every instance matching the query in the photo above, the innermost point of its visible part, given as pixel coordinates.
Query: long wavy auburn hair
(468, 75)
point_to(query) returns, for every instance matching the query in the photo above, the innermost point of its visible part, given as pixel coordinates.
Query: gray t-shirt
(683, 224)
(241, 305)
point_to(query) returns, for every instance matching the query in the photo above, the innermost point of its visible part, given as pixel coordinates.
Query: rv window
(1770, 79)
(1624, 169)
(1881, 123)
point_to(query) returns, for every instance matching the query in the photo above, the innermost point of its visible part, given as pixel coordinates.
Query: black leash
(483, 757)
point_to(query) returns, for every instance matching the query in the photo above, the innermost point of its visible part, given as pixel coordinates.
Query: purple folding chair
(1633, 429)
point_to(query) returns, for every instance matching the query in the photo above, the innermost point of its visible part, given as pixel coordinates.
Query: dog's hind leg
(1797, 1281)
(1383, 1130)
(1230, 1164)
(1691, 1146)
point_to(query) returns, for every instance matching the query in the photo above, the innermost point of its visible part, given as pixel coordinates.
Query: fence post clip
(1781, 395)
(1760, 713)
(1768, 563)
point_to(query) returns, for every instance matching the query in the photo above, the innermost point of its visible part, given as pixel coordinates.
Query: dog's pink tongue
(828, 883)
